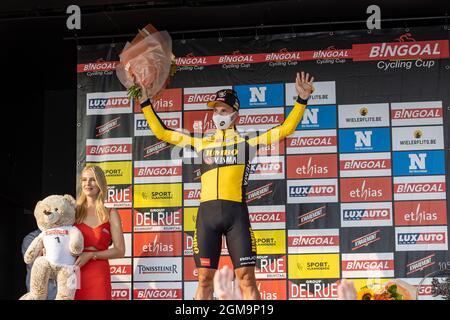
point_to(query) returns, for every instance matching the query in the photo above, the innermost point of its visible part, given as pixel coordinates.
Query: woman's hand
(84, 258)
(304, 85)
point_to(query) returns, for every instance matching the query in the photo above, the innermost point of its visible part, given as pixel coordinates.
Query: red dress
(95, 275)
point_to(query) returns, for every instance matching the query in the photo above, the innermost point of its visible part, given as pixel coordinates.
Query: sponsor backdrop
(358, 191)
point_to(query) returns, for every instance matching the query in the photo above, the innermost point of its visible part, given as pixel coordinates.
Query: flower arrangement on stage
(147, 63)
(391, 290)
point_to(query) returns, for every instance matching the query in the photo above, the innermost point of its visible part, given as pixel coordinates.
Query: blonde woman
(100, 227)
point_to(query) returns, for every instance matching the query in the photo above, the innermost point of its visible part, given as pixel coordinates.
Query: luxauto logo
(310, 191)
(366, 214)
(264, 168)
(171, 120)
(421, 238)
(101, 103)
(120, 294)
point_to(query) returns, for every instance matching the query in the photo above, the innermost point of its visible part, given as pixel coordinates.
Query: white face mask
(223, 122)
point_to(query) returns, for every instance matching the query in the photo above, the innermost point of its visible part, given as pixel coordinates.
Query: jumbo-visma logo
(157, 195)
(116, 172)
(270, 241)
(108, 103)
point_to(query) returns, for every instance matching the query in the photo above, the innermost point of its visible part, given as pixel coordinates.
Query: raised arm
(304, 87)
(162, 132)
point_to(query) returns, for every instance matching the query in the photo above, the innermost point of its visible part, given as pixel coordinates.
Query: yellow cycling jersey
(226, 155)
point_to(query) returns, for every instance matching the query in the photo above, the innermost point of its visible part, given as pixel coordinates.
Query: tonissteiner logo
(367, 265)
(420, 213)
(420, 265)
(157, 269)
(102, 103)
(313, 241)
(373, 214)
(421, 238)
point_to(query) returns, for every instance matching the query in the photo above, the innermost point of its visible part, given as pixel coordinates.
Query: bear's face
(55, 211)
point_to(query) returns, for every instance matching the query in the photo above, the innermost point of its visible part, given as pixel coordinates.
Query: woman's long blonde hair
(100, 209)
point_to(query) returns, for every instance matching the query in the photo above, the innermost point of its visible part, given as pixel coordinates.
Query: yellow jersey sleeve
(283, 130)
(163, 133)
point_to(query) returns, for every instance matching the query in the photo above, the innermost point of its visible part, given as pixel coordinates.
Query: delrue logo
(107, 127)
(313, 290)
(259, 192)
(421, 264)
(417, 213)
(421, 238)
(366, 214)
(103, 103)
(313, 241)
(313, 141)
(312, 216)
(365, 240)
(119, 196)
(364, 265)
(270, 267)
(154, 219)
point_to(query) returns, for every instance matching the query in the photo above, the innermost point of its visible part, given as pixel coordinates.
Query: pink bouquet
(146, 63)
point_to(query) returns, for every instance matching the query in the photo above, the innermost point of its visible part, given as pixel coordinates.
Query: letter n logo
(311, 116)
(417, 161)
(363, 139)
(258, 94)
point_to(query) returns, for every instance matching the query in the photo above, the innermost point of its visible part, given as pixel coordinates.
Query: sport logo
(101, 150)
(313, 241)
(366, 189)
(421, 238)
(367, 265)
(420, 213)
(366, 214)
(312, 191)
(419, 188)
(259, 192)
(365, 164)
(420, 265)
(416, 113)
(102, 103)
(312, 216)
(314, 141)
(365, 240)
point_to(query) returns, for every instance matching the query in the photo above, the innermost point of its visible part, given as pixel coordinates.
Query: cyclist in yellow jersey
(225, 167)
